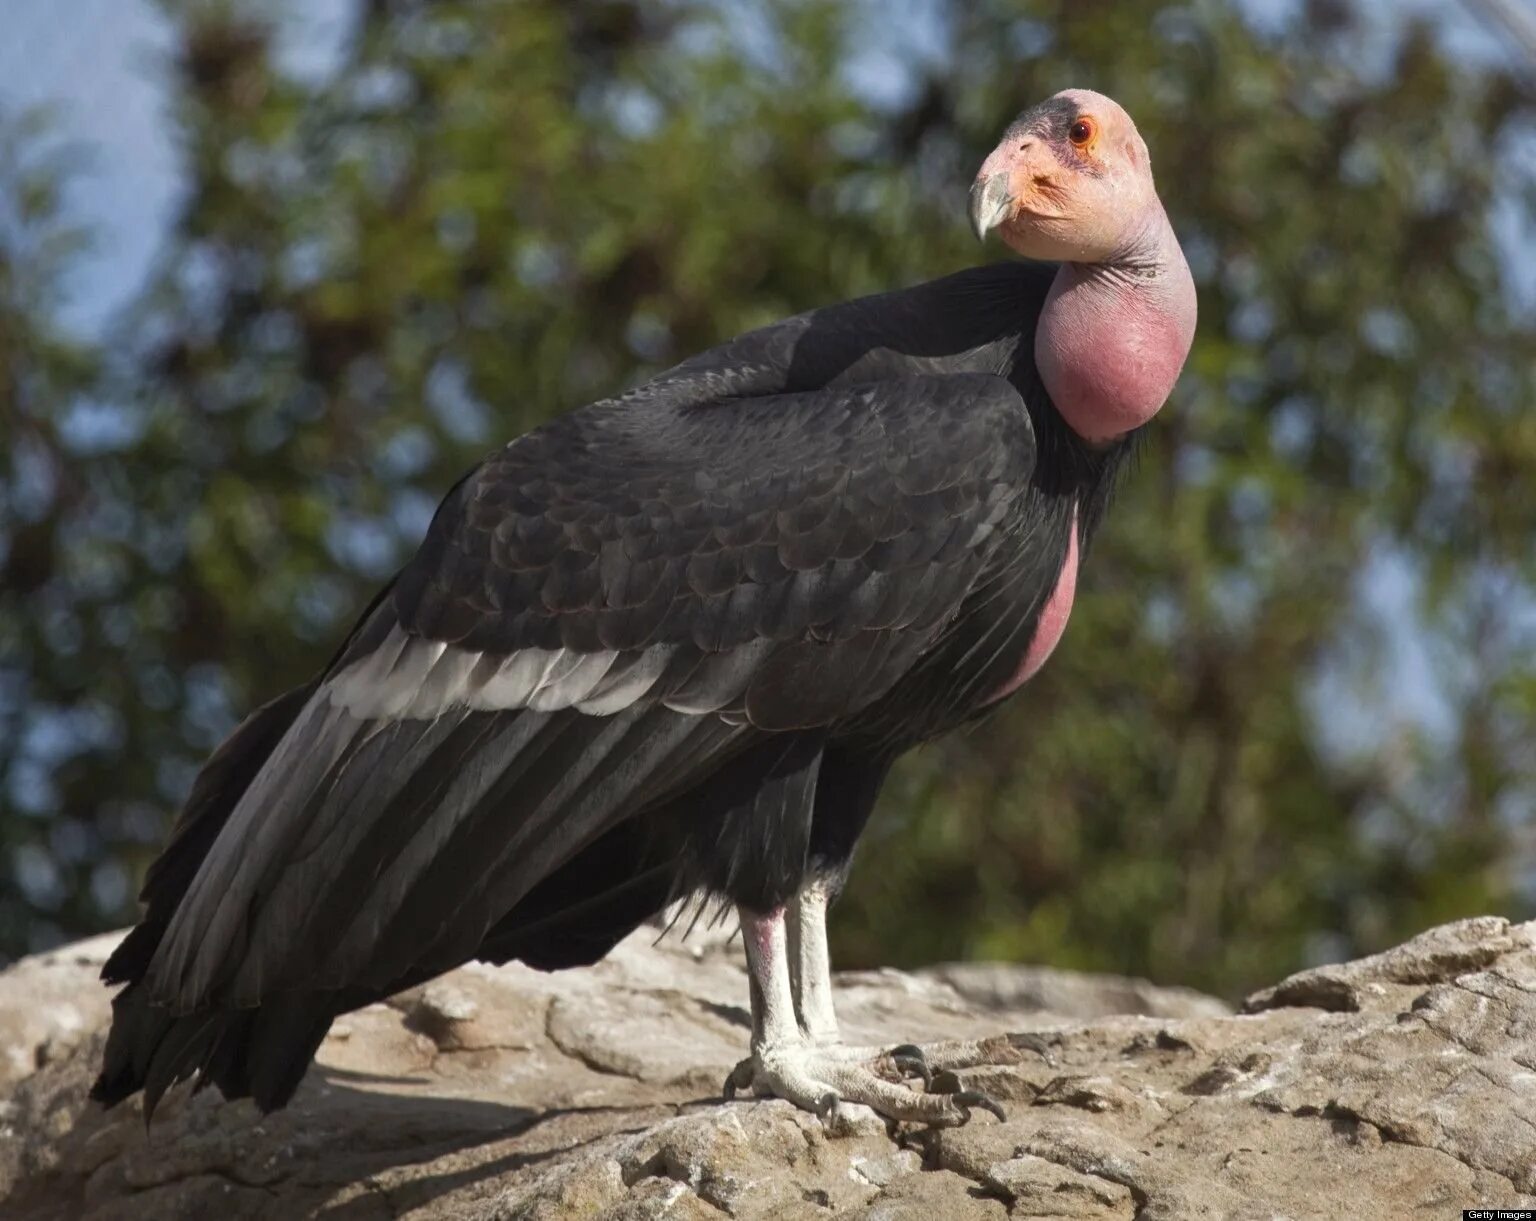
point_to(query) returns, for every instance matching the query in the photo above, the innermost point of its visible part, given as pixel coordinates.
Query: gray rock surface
(1403, 1085)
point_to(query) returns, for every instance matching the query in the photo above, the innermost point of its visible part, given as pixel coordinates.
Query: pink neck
(1051, 623)
(1113, 336)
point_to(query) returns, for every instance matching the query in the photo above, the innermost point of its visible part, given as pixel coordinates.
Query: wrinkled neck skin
(1113, 336)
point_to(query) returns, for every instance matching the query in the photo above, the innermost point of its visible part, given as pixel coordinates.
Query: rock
(1400, 1085)
(45, 1012)
(1440, 954)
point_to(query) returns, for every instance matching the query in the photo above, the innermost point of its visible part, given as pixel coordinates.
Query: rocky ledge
(1401, 1085)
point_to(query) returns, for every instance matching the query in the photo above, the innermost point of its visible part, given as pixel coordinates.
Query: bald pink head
(1071, 182)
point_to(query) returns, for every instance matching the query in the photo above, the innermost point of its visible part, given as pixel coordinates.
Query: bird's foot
(816, 1077)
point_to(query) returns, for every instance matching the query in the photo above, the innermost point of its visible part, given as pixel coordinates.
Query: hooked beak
(991, 203)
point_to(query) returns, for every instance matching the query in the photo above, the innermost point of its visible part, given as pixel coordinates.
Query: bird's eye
(1082, 131)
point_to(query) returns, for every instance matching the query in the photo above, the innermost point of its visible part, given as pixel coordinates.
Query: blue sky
(101, 67)
(96, 69)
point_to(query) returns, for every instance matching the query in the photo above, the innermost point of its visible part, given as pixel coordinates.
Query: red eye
(1082, 131)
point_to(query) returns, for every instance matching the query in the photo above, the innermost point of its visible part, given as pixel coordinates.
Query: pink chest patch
(1052, 622)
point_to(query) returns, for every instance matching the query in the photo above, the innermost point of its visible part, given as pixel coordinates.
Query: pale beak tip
(990, 201)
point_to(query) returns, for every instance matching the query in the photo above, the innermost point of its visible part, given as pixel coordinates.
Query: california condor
(669, 645)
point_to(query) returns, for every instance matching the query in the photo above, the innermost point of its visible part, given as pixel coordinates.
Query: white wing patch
(407, 678)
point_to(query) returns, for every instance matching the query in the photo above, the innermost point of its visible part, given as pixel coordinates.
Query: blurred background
(273, 275)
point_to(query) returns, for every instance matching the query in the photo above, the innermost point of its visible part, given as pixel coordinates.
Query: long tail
(260, 1053)
(572, 918)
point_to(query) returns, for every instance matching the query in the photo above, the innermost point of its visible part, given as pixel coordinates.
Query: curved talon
(966, 1099)
(911, 1062)
(825, 1103)
(1036, 1043)
(739, 1078)
(914, 1068)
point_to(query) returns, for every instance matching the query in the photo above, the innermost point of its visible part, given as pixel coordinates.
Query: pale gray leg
(811, 982)
(786, 1062)
(811, 965)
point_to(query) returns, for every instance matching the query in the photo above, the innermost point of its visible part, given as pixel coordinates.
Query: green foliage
(495, 211)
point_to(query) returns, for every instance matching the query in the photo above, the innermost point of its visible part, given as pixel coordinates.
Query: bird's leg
(811, 964)
(787, 1063)
(811, 982)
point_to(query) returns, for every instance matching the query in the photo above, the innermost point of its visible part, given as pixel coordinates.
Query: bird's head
(1070, 182)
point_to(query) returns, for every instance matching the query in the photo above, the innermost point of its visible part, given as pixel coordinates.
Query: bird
(668, 645)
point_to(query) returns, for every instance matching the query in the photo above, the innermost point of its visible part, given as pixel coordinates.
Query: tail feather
(183, 1044)
(261, 1054)
(243, 1052)
(217, 789)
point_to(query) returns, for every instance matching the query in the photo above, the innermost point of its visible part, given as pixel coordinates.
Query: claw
(966, 1099)
(739, 1078)
(825, 1103)
(1036, 1043)
(911, 1062)
(949, 1082)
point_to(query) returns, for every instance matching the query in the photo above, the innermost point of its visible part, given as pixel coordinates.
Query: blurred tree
(53, 729)
(491, 212)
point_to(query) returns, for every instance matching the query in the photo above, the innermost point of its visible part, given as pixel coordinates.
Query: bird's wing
(599, 615)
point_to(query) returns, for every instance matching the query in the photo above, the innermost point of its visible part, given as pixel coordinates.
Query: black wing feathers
(628, 525)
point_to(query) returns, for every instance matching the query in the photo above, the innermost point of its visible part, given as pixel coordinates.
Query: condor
(669, 645)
